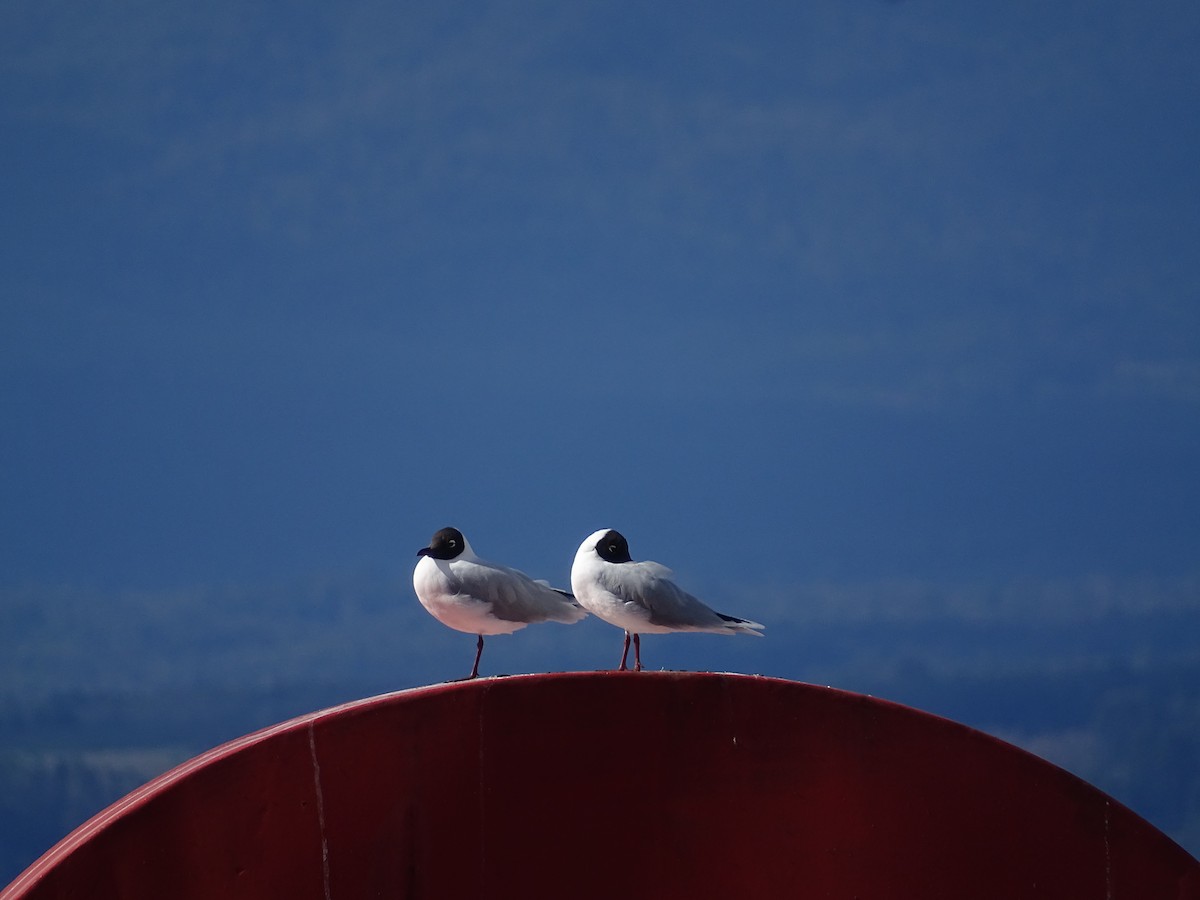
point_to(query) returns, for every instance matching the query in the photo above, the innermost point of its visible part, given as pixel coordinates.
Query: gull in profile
(640, 597)
(473, 595)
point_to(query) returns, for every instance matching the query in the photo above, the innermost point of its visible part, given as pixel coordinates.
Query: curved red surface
(615, 784)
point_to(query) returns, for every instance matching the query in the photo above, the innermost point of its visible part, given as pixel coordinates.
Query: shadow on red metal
(584, 785)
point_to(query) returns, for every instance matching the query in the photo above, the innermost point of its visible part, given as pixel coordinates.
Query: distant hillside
(101, 691)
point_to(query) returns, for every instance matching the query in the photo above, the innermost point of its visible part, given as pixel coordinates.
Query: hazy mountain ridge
(100, 691)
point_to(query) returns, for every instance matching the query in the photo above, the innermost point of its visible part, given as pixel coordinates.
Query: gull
(640, 596)
(473, 595)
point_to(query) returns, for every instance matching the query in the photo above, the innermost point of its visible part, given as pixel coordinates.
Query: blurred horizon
(102, 691)
(877, 322)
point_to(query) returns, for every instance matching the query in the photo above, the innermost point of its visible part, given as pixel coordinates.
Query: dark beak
(424, 551)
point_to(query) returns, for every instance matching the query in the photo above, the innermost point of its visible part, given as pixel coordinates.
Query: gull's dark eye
(452, 543)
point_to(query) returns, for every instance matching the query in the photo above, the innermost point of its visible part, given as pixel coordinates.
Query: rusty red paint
(615, 784)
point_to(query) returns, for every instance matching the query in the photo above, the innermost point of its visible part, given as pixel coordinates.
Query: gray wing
(513, 595)
(648, 585)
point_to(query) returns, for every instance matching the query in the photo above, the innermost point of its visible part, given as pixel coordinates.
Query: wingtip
(743, 626)
(752, 628)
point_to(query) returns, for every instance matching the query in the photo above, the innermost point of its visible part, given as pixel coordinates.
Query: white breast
(433, 582)
(625, 613)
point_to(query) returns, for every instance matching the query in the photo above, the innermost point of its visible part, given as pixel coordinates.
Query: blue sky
(849, 291)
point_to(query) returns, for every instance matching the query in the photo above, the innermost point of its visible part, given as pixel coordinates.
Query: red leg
(478, 653)
(637, 653)
(624, 653)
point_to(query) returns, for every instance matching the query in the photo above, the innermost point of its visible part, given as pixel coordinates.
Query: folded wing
(514, 596)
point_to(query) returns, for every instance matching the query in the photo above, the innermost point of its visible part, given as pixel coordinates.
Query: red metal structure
(616, 784)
